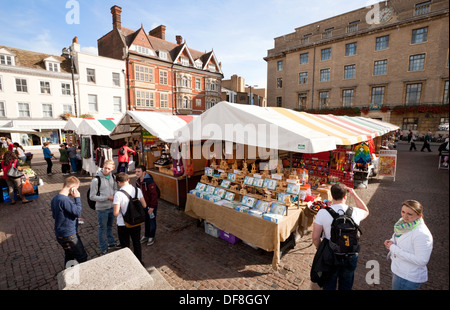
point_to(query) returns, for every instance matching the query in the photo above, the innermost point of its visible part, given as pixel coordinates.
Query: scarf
(402, 227)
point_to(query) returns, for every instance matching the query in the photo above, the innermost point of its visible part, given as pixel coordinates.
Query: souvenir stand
(155, 133)
(263, 207)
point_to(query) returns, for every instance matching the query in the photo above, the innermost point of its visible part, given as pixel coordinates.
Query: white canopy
(158, 124)
(73, 123)
(94, 127)
(255, 126)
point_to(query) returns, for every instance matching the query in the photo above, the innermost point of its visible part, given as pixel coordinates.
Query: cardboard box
(276, 218)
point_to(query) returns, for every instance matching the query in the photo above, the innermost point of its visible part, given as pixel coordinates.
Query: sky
(239, 31)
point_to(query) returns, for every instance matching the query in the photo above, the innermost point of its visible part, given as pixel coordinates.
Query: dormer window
(145, 50)
(212, 67)
(7, 60)
(198, 64)
(52, 64)
(184, 61)
(53, 67)
(163, 55)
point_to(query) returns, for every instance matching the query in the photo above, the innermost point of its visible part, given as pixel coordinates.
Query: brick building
(388, 61)
(235, 90)
(162, 76)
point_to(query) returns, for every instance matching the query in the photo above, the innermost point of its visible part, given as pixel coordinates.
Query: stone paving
(190, 259)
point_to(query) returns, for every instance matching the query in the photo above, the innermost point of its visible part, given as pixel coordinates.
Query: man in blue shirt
(66, 211)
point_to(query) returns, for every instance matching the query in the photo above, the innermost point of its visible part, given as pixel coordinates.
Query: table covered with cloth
(255, 230)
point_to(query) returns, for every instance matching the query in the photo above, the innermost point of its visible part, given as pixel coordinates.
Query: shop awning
(256, 126)
(158, 124)
(94, 127)
(73, 123)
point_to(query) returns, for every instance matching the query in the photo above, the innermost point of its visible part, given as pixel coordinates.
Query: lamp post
(251, 97)
(67, 51)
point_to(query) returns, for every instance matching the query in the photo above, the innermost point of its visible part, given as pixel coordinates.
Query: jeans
(150, 224)
(49, 165)
(134, 233)
(73, 163)
(344, 274)
(105, 220)
(399, 283)
(73, 249)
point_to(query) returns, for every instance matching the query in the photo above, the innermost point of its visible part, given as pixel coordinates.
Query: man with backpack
(339, 225)
(102, 189)
(122, 199)
(149, 189)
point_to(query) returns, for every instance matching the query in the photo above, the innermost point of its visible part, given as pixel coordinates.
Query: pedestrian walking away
(104, 205)
(148, 187)
(65, 212)
(410, 248)
(426, 142)
(412, 141)
(120, 208)
(64, 159)
(72, 151)
(124, 158)
(343, 271)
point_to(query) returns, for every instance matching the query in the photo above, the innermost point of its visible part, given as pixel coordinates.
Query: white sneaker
(144, 239)
(150, 241)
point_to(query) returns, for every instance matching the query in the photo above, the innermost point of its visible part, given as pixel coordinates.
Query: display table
(257, 231)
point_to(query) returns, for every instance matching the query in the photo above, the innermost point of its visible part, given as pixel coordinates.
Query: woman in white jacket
(410, 248)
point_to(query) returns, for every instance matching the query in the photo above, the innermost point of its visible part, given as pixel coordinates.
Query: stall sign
(387, 164)
(148, 140)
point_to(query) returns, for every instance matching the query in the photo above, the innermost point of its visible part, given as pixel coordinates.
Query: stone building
(388, 61)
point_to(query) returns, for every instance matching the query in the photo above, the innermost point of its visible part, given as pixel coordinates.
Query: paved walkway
(188, 258)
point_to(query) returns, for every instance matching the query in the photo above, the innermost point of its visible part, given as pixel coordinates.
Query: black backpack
(135, 214)
(91, 203)
(344, 239)
(122, 151)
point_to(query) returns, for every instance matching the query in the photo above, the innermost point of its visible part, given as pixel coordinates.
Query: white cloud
(90, 50)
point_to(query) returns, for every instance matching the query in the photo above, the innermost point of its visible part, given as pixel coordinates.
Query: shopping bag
(27, 188)
(13, 172)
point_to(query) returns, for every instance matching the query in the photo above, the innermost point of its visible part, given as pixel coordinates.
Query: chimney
(116, 11)
(179, 39)
(158, 32)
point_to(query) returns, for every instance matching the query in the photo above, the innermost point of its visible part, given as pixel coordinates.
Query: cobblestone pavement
(188, 258)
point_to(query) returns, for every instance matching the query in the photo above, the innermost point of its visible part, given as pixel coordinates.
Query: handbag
(13, 172)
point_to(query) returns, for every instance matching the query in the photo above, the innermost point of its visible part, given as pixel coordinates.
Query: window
(117, 103)
(323, 99)
(212, 67)
(380, 67)
(327, 33)
(302, 99)
(53, 66)
(419, 35)
(303, 77)
(410, 123)
(65, 88)
(416, 62)
(445, 97)
(350, 49)
(279, 82)
(422, 8)
(1, 83)
(413, 92)
(6, 60)
(279, 101)
(90, 75)
(116, 79)
(377, 98)
(144, 50)
(92, 103)
(163, 55)
(24, 109)
(45, 87)
(325, 54)
(198, 103)
(21, 85)
(163, 77)
(164, 100)
(304, 58)
(349, 72)
(47, 110)
(382, 43)
(306, 38)
(280, 65)
(67, 108)
(144, 99)
(353, 26)
(2, 109)
(347, 97)
(198, 84)
(184, 61)
(144, 74)
(325, 75)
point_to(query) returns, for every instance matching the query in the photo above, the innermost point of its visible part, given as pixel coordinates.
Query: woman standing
(10, 160)
(410, 248)
(48, 157)
(64, 160)
(20, 152)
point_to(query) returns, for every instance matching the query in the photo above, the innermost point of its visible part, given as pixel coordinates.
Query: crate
(211, 230)
(229, 237)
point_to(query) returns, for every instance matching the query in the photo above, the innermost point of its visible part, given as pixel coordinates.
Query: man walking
(147, 185)
(104, 205)
(66, 211)
(343, 272)
(72, 150)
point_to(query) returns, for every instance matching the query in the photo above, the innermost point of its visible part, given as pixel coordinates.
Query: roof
(35, 60)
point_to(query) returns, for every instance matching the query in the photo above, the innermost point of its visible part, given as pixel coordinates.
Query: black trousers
(49, 165)
(73, 249)
(124, 233)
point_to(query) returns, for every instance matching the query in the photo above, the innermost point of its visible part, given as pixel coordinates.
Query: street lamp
(251, 97)
(67, 52)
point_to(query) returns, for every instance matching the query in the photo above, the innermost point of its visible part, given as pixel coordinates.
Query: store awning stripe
(386, 126)
(303, 119)
(365, 122)
(186, 118)
(351, 126)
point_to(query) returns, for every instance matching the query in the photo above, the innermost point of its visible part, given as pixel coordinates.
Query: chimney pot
(179, 39)
(158, 32)
(116, 12)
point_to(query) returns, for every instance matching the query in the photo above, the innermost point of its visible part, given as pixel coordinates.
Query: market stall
(154, 132)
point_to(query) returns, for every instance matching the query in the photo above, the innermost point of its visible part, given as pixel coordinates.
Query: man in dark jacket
(148, 187)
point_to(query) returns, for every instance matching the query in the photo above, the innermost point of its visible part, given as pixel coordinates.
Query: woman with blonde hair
(410, 248)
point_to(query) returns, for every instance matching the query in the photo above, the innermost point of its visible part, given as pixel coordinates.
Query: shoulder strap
(349, 211)
(126, 194)
(99, 183)
(332, 212)
(135, 192)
